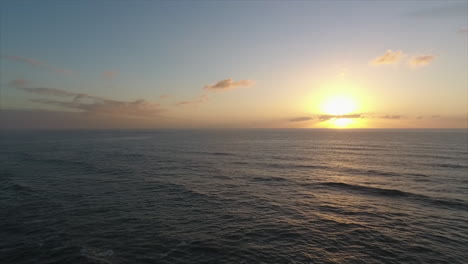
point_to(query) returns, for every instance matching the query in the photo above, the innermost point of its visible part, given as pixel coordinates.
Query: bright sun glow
(339, 105)
(342, 122)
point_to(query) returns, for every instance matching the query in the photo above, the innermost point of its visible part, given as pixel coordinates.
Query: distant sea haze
(234, 196)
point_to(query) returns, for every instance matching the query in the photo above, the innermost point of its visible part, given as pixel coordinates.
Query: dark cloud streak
(391, 117)
(301, 119)
(329, 117)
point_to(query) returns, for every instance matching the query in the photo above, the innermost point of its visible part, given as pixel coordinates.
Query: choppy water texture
(258, 196)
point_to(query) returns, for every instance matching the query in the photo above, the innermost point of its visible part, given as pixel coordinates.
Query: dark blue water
(252, 196)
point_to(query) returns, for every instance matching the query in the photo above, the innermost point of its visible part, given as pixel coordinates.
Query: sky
(233, 64)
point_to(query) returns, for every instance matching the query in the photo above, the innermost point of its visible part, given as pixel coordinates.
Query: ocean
(234, 196)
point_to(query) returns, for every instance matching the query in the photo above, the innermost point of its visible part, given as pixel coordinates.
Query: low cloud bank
(328, 117)
(89, 103)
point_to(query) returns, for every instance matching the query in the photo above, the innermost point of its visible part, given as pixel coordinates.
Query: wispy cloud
(421, 60)
(352, 116)
(390, 117)
(109, 74)
(395, 57)
(198, 100)
(164, 96)
(24, 85)
(301, 119)
(329, 117)
(36, 63)
(462, 31)
(89, 103)
(389, 57)
(53, 92)
(229, 84)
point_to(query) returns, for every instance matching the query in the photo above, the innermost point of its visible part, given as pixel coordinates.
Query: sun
(339, 105)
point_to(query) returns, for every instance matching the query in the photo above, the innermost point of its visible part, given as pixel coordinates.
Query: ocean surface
(237, 196)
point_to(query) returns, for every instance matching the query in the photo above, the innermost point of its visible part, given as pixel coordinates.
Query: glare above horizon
(234, 64)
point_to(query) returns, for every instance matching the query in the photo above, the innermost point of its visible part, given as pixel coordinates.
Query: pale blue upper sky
(177, 47)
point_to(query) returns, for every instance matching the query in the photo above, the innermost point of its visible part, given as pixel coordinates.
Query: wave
(220, 154)
(60, 161)
(367, 189)
(270, 179)
(358, 148)
(339, 169)
(418, 175)
(448, 165)
(344, 211)
(452, 203)
(19, 189)
(97, 256)
(240, 163)
(181, 244)
(430, 156)
(369, 172)
(355, 171)
(292, 166)
(182, 192)
(210, 153)
(8, 184)
(84, 166)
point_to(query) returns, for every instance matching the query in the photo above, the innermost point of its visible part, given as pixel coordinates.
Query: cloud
(52, 92)
(391, 117)
(462, 31)
(137, 108)
(419, 117)
(109, 74)
(301, 119)
(23, 84)
(421, 60)
(328, 117)
(18, 83)
(229, 84)
(29, 61)
(449, 10)
(351, 116)
(89, 103)
(36, 63)
(394, 57)
(389, 57)
(164, 96)
(435, 116)
(198, 100)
